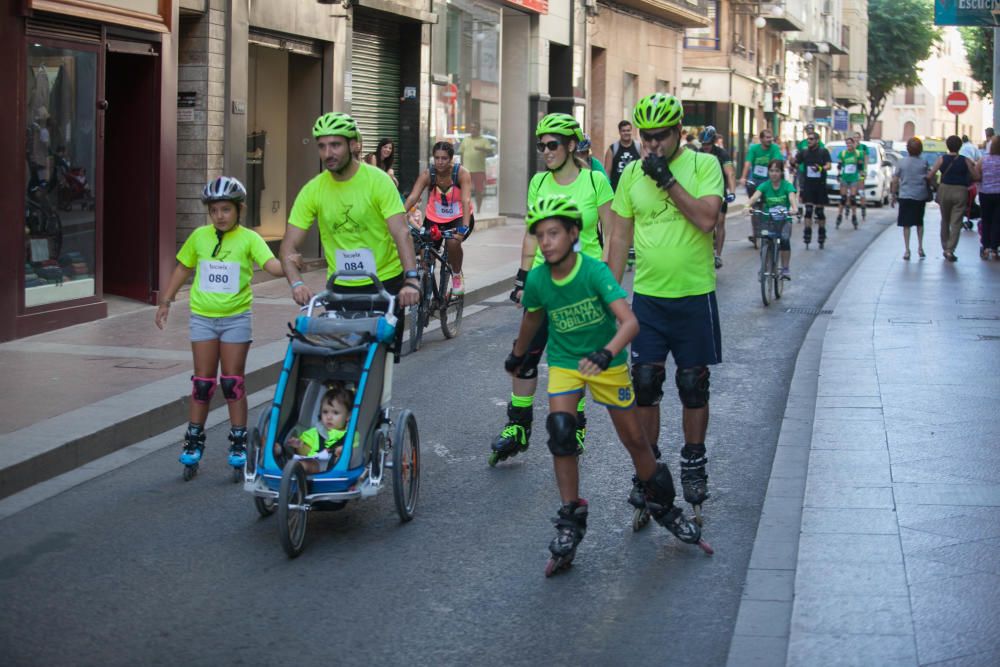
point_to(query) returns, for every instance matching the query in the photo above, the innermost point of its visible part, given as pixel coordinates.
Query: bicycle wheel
(255, 459)
(418, 314)
(452, 305)
(779, 284)
(765, 278)
(292, 520)
(406, 465)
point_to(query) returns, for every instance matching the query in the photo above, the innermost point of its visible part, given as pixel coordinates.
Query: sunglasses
(813, 138)
(550, 145)
(657, 137)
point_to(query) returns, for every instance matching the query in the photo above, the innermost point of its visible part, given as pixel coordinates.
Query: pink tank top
(444, 207)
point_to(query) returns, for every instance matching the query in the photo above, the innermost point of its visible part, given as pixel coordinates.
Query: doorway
(130, 188)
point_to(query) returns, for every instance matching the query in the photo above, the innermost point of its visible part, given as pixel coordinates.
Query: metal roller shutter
(375, 79)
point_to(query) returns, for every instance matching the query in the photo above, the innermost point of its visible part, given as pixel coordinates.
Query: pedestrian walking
(989, 199)
(911, 191)
(957, 174)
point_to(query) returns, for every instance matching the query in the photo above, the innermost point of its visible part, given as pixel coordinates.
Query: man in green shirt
(758, 157)
(361, 220)
(668, 205)
(863, 149)
(852, 165)
(474, 150)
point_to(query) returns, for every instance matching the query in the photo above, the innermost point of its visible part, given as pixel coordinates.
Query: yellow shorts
(612, 388)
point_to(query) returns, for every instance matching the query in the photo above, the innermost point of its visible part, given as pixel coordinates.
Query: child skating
(582, 302)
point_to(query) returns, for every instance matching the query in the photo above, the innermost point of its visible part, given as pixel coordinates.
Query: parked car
(933, 149)
(878, 173)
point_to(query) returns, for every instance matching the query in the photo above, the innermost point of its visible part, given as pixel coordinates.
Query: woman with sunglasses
(221, 257)
(448, 204)
(559, 136)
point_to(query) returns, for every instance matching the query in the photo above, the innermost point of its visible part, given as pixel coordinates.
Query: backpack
(454, 176)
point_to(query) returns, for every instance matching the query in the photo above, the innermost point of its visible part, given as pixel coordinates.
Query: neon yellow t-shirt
(474, 159)
(221, 285)
(590, 191)
(673, 258)
(311, 439)
(352, 221)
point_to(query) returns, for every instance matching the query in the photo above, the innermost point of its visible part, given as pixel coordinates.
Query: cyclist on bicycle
(559, 135)
(450, 208)
(361, 220)
(708, 138)
(776, 192)
(669, 205)
(814, 163)
(851, 162)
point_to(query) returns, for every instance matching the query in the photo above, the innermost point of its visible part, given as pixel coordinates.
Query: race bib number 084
(359, 259)
(219, 277)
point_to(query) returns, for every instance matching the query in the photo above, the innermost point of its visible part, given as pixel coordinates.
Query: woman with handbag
(989, 199)
(912, 191)
(957, 173)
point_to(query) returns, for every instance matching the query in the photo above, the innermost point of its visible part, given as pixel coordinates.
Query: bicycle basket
(766, 227)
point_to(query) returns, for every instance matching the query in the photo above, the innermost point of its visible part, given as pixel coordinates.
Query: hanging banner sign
(967, 12)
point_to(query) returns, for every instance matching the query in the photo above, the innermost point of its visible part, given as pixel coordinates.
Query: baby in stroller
(322, 445)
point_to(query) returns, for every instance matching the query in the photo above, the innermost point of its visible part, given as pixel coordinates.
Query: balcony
(780, 19)
(683, 13)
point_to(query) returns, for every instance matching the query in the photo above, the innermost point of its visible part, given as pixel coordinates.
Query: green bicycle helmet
(334, 124)
(559, 123)
(553, 206)
(657, 110)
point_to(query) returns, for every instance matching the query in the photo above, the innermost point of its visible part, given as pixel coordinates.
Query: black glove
(513, 362)
(522, 275)
(601, 358)
(655, 166)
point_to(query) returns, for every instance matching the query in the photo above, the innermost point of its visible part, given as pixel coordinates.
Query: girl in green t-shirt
(776, 192)
(852, 170)
(221, 257)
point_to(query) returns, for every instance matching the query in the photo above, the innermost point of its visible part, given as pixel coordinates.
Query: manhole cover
(805, 310)
(991, 318)
(147, 365)
(909, 322)
(975, 301)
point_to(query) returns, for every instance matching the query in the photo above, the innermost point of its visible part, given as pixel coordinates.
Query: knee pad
(203, 389)
(660, 487)
(648, 380)
(562, 433)
(692, 386)
(809, 210)
(529, 369)
(233, 387)
(820, 213)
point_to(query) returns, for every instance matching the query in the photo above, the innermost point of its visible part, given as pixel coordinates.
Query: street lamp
(808, 56)
(760, 22)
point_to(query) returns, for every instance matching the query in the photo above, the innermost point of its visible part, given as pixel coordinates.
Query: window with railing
(708, 36)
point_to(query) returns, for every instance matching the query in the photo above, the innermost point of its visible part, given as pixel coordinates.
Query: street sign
(967, 12)
(840, 117)
(956, 102)
(858, 118)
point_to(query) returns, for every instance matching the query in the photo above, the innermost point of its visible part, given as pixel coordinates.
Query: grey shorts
(233, 329)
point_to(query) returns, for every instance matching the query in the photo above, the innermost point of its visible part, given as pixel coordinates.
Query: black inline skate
(194, 446)
(637, 499)
(238, 451)
(660, 496)
(514, 437)
(694, 479)
(571, 526)
(581, 433)
(807, 236)
(821, 237)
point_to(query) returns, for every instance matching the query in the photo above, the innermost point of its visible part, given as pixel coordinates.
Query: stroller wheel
(406, 465)
(291, 508)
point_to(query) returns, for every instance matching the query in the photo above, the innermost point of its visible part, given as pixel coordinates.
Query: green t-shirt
(352, 221)
(673, 258)
(221, 285)
(474, 159)
(771, 197)
(759, 157)
(589, 191)
(596, 165)
(310, 438)
(851, 162)
(578, 310)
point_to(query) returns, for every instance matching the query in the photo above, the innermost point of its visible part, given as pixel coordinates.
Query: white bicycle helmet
(224, 188)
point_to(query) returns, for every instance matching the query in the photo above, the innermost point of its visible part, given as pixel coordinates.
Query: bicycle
(436, 296)
(770, 227)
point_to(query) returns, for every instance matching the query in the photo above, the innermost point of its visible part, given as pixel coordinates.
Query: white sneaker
(457, 285)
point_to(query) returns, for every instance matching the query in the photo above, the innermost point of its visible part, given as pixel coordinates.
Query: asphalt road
(139, 567)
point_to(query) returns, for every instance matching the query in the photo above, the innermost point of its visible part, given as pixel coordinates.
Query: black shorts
(814, 192)
(687, 327)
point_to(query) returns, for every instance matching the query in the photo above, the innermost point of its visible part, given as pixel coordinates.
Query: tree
(979, 53)
(901, 34)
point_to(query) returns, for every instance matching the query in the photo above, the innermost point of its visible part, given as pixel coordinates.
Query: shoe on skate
(854, 221)
(840, 218)
(683, 528)
(694, 479)
(515, 435)
(194, 445)
(807, 235)
(571, 526)
(238, 448)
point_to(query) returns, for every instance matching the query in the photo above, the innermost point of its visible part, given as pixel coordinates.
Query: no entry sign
(956, 102)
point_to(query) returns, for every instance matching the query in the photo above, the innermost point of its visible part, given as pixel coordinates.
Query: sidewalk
(82, 392)
(879, 540)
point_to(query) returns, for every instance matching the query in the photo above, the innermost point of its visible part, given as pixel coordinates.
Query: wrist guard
(657, 169)
(601, 358)
(519, 279)
(730, 197)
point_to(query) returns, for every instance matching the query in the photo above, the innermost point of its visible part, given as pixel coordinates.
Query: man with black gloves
(668, 206)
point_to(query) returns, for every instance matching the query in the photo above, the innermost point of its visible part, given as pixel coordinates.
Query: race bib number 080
(219, 277)
(359, 259)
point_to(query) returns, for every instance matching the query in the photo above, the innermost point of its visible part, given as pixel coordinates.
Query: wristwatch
(412, 273)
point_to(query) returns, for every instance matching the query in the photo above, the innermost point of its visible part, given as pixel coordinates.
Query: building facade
(91, 141)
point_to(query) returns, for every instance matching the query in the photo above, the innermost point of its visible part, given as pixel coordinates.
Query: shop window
(60, 221)
(466, 109)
